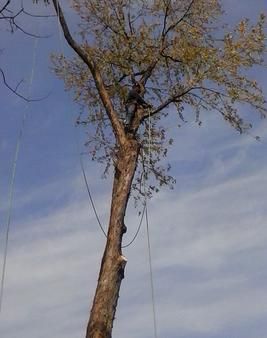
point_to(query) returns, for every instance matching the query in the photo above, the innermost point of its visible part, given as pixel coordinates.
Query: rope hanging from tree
(12, 178)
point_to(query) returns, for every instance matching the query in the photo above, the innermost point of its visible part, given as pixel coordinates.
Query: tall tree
(183, 59)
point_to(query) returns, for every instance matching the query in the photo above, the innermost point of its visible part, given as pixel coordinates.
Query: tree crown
(180, 53)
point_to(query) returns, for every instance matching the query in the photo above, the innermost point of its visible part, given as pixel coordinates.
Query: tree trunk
(113, 263)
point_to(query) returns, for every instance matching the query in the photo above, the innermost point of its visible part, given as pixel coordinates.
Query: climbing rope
(12, 179)
(148, 233)
(151, 276)
(90, 196)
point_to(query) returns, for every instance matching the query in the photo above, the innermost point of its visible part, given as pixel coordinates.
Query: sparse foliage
(186, 59)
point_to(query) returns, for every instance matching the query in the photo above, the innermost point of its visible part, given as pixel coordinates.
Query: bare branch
(177, 98)
(165, 19)
(28, 33)
(10, 17)
(171, 99)
(148, 72)
(124, 76)
(13, 24)
(170, 57)
(121, 20)
(17, 86)
(130, 23)
(235, 121)
(38, 15)
(5, 6)
(14, 90)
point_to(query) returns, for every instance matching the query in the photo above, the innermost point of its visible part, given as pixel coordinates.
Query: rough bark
(113, 262)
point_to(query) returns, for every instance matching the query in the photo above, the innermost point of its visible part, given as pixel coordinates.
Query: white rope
(149, 137)
(75, 135)
(151, 276)
(148, 233)
(91, 198)
(12, 179)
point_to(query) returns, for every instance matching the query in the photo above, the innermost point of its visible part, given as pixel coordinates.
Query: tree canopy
(181, 52)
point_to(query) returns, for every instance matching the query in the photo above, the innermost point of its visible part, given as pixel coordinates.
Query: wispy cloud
(202, 246)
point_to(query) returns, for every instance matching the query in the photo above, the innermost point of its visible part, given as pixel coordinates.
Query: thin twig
(14, 90)
(5, 6)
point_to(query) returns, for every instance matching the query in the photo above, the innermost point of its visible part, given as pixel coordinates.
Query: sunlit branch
(116, 124)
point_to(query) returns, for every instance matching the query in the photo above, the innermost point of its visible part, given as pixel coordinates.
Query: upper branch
(171, 99)
(15, 90)
(148, 72)
(116, 124)
(166, 14)
(5, 6)
(172, 26)
(12, 16)
(72, 43)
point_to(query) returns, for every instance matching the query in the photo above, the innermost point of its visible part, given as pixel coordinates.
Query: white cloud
(52, 265)
(202, 241)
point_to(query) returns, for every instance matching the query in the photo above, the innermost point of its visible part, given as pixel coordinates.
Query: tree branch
(165, 19)
(11, 17)
(130, 23)
(28, 33)
(171, 99)
(166, 56)
(148, 72)
(176, 98)
(180, 20)
(38, 15)
(115, 122)
(5, 6)
(124, 76)
(14, 90)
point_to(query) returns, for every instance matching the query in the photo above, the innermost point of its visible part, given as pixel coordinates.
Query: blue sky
(208, 235)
